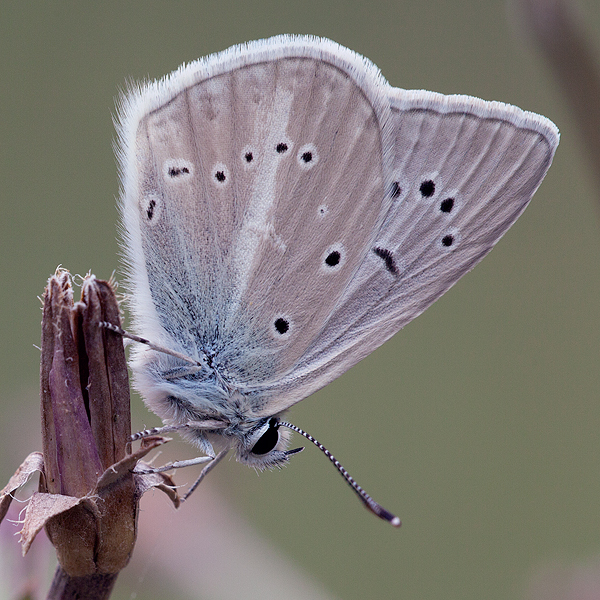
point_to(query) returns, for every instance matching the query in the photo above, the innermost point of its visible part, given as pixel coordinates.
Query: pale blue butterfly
(285, 212)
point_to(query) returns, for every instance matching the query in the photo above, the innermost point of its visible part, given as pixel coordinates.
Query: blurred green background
(478, 424)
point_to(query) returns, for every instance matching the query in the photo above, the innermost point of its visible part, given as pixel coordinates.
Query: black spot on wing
(395, 190)
(282, 325)
(447, 205)
(178, 171)
(427, 188)
(333, 258)
(388, 258)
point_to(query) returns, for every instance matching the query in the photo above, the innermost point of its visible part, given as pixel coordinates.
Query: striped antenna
(371, 505)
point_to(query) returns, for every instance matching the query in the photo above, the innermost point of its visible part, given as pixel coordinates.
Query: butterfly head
(265, 445)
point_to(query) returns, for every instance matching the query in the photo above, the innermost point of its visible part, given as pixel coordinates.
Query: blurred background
(478, 424)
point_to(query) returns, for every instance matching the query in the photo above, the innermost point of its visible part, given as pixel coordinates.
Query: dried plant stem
(91, 587)
(559, 32)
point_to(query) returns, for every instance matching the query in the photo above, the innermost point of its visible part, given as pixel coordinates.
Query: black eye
(268, 440)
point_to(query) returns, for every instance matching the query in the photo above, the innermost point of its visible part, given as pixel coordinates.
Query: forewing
(241, 183)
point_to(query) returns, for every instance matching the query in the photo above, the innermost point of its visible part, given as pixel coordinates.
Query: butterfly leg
(200, 440)
(178, 464)
(207, 469)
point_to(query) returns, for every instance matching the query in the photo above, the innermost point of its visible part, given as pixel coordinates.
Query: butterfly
(285, 211)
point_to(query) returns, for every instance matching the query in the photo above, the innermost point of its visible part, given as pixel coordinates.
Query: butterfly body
(286, 211)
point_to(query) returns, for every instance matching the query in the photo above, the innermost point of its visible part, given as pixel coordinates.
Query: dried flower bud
(88, 495)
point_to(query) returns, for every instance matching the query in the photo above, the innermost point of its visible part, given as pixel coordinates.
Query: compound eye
(268, 440)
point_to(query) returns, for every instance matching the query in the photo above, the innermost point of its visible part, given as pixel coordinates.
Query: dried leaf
(42, 508)
(34, 462)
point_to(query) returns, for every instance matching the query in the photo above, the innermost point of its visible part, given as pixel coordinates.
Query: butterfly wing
(286, 211)
(235, 171)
